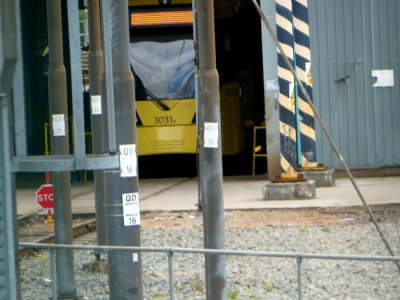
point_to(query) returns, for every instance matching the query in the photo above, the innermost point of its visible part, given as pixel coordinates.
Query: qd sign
(44, 196)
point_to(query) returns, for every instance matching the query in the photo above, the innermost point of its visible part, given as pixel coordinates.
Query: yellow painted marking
(288, 131)
(308, 131)
(303, 51)
(292, 94)
(286, 102)
(301, 74)
(288, 50)
(307, 164)
(286, 167)
(305, 107)
(285, 3)
(284, 23)
(300, 25)
(309, 73)
(285, 74)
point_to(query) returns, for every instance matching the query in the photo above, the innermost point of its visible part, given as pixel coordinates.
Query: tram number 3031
(164, 120)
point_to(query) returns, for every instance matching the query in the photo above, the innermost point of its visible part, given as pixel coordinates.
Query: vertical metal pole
(9, 269)
(75, 63)
(9, 280)
(287, 99)
(299, 261)
(97, 108)
(303, 64)
(209, 122)
(53, 266)
(171, 275)
(18, 92)
(125, 269)
(58, 107)
(271, 92)
(108, 89)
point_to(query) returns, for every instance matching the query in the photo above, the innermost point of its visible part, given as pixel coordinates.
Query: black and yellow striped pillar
(301, 34)
(287, 99)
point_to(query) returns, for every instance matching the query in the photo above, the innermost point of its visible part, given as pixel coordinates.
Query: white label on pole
(58, 122)
(128, 160)
(210, 135)
(130, 205)
(95, 104)
(135, 257)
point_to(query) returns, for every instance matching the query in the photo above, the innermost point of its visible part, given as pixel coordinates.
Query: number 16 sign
(128, 160)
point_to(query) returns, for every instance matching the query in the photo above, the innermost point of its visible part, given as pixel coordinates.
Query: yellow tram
(163, 62)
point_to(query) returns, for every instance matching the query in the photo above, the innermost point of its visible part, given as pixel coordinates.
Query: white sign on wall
(384, 78)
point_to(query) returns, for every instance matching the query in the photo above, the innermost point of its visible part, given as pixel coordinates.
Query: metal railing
(299, 257)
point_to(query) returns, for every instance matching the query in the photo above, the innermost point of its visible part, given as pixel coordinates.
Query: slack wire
(325, 130)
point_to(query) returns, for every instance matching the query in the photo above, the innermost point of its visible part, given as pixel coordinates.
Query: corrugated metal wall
(349, 39)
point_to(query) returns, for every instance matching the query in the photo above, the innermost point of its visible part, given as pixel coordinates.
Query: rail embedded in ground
(299, 257)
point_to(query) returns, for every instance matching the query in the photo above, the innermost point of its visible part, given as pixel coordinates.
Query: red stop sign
(44, 196)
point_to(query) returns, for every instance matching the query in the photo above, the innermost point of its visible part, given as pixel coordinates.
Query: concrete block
(322, 178)
(289, 190)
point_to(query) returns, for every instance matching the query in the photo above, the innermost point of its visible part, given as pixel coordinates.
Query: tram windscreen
(163, 69)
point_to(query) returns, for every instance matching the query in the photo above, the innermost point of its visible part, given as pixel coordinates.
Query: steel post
(171, 275)
(125, 269)
(210, 166)
(271, 92)
(18, 92)
(58, 107)
(97, 108)
(9, 270)
(299, 261)
(108, 89)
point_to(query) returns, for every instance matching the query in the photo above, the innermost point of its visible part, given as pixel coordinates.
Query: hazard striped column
(301, 34)
(287, 108)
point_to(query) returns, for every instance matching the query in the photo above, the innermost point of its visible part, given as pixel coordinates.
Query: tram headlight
(165, 2)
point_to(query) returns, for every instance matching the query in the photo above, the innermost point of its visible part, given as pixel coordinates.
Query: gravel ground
(250, 277)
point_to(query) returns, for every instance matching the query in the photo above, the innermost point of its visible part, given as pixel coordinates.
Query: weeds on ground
(233, 294)
(326, 229)
(303, 229)
(158, 294)
(268, 285)
(197, 285)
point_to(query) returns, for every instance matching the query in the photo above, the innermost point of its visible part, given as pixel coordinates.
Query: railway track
(33, 229)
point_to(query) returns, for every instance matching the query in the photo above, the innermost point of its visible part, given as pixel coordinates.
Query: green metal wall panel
(350, 38)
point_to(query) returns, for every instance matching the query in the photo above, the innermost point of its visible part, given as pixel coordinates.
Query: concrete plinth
(289, 190)
(322, 178)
